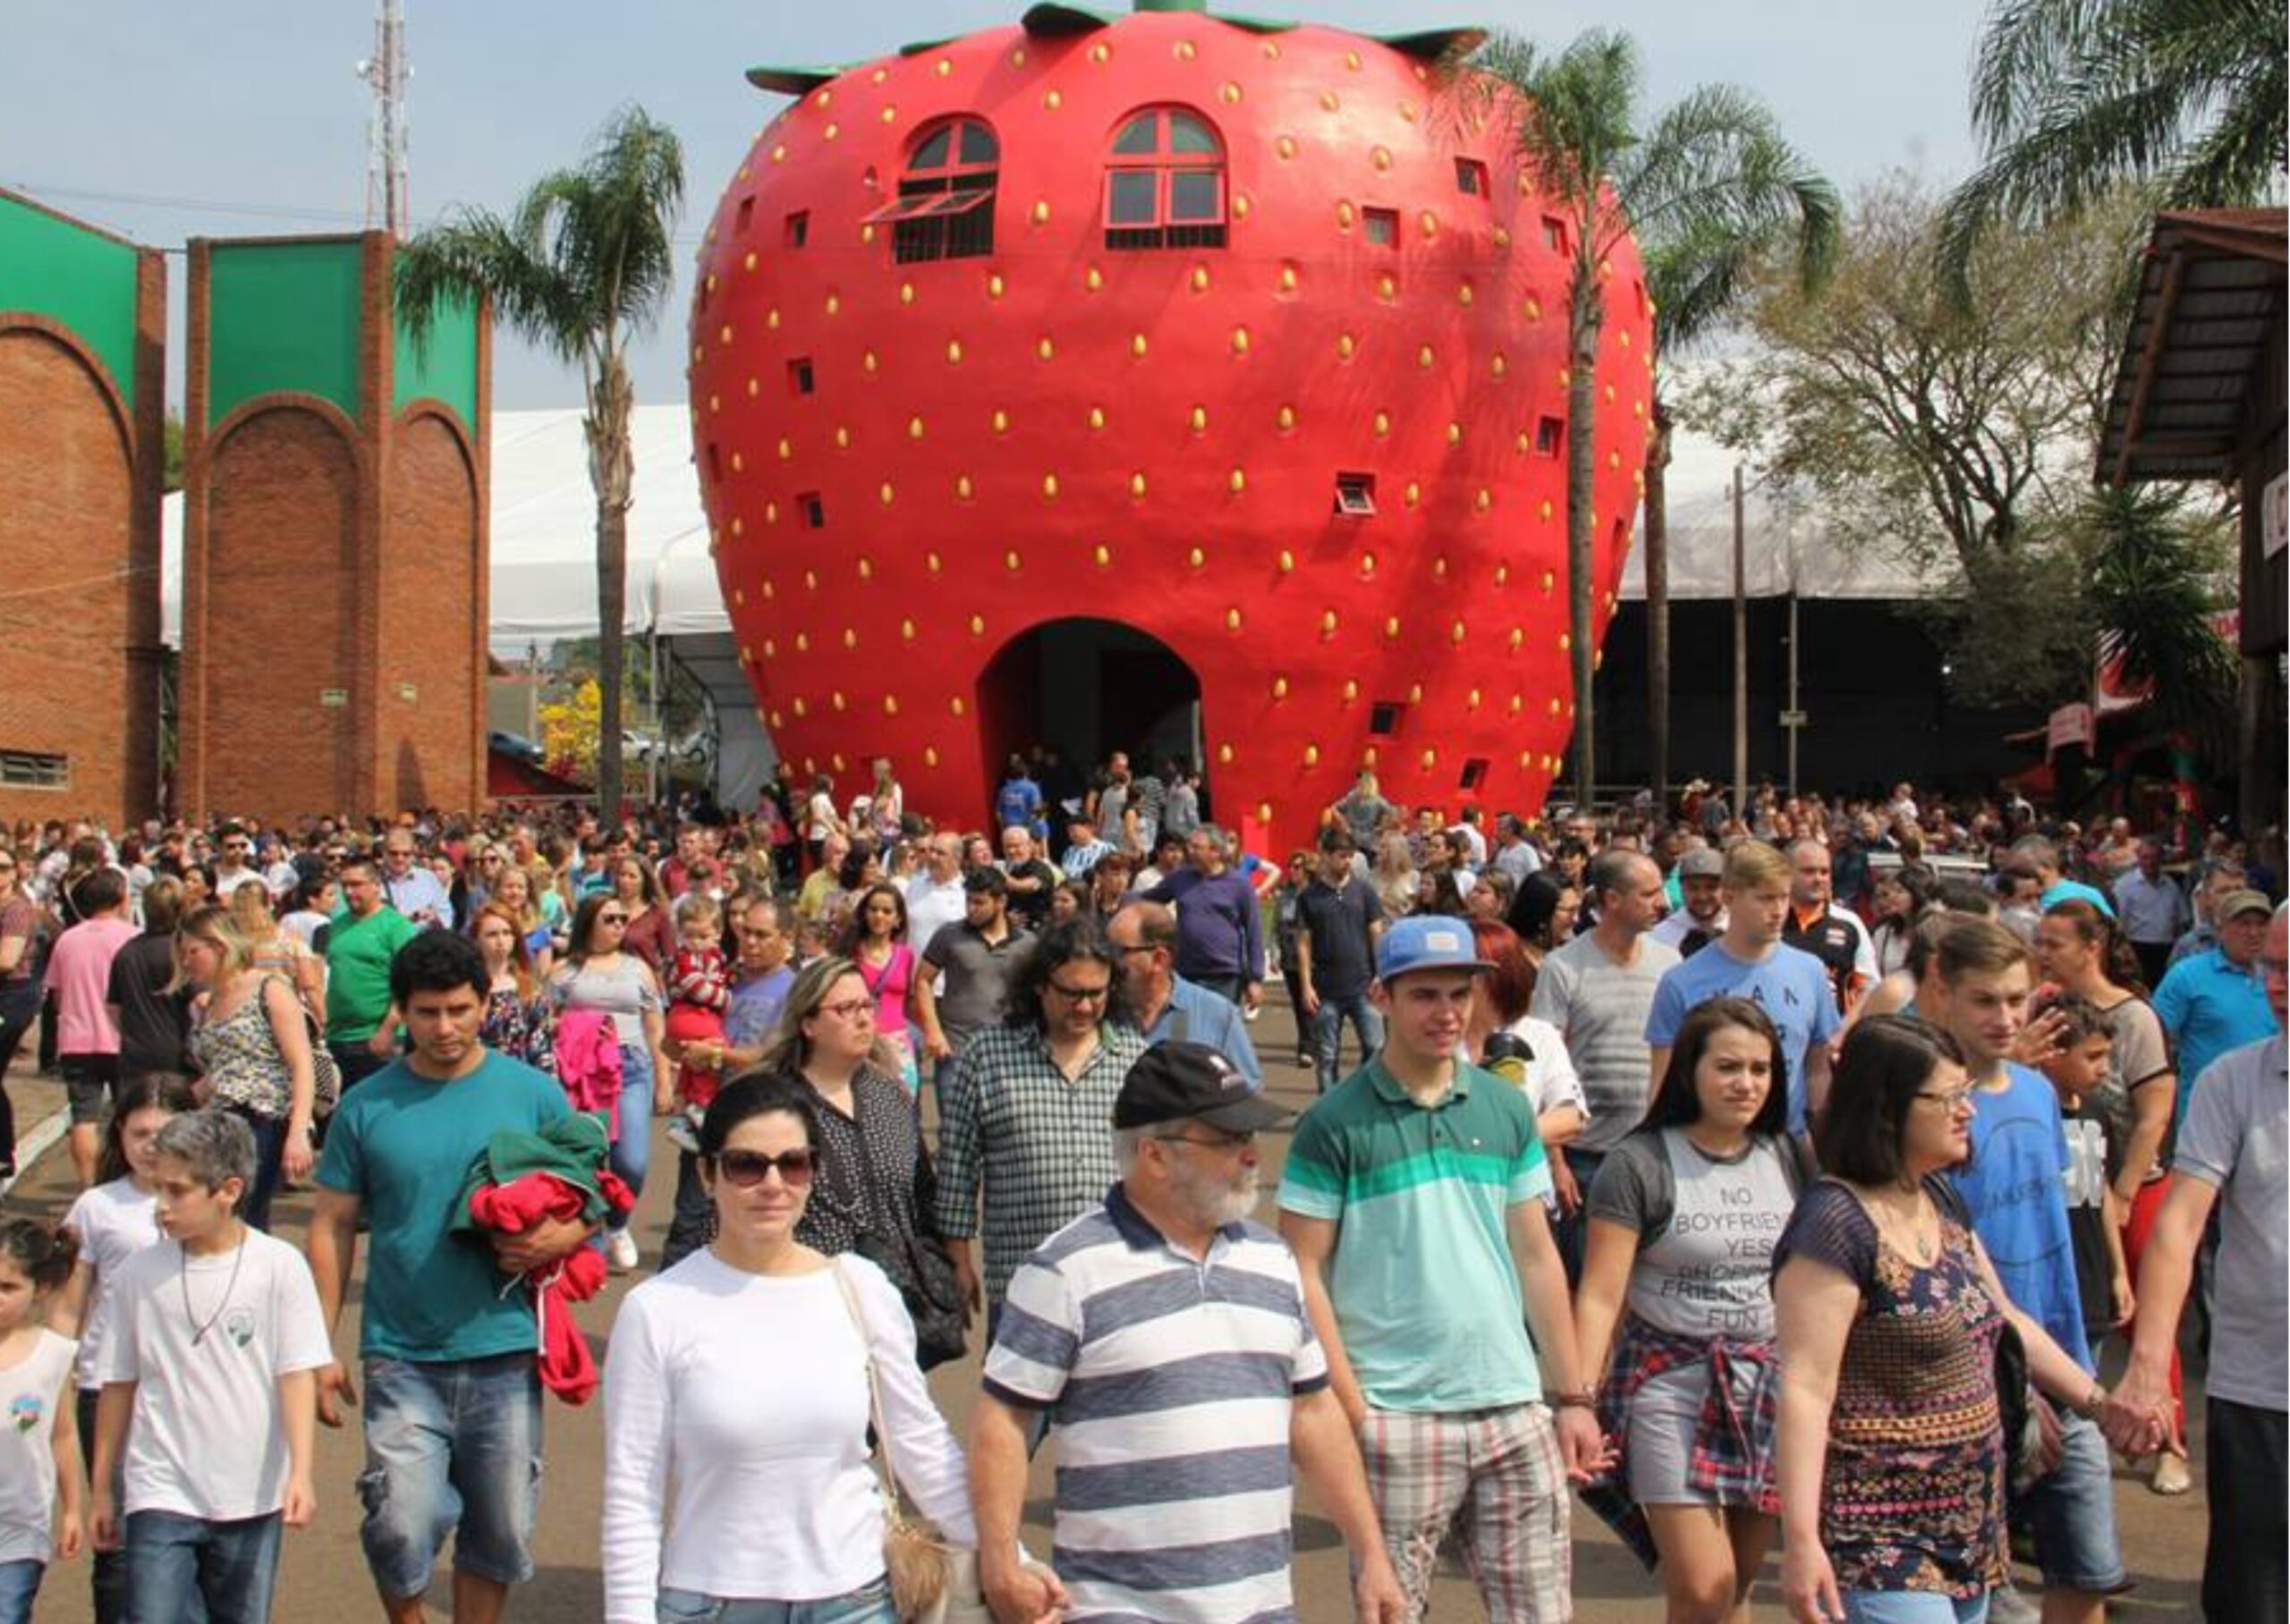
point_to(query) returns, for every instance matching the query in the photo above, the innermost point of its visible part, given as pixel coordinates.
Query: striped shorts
(1497, 1472)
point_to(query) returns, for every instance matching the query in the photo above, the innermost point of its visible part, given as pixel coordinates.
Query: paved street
(324, 1576)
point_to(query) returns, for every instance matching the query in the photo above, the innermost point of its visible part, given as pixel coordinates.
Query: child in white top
(110, 1224)
(39, 1446)
(212, 1354)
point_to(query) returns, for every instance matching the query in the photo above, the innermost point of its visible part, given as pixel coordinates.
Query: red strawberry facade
(1232, 334)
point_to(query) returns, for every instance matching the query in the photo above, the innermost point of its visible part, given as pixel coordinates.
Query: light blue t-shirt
(2210, 1006)
(2015, 1186)
(403, 1145)
(1790, 985)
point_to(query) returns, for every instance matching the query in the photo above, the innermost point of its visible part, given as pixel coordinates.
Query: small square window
(1383, 717)
(1382, 226)
(1355, 495)
(799, 228)
(814, 510)
(1471, 177)
(746, 215)
(799, 378)
(1474, 773)
(1554, 233)
(1550, 437)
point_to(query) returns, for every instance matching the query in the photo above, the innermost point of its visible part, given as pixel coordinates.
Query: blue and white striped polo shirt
(1170, 1380)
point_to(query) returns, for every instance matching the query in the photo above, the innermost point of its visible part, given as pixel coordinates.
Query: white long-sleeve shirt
(748, 1392)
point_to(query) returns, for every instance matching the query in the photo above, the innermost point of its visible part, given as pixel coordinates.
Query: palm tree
(2155, 569)
(584, 263)
(2072, 98)
(1706, 188)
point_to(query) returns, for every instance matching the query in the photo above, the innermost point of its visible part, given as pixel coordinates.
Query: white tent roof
(544, 537)
(1784, 546)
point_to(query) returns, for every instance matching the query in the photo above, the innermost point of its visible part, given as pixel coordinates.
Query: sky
(166, 121)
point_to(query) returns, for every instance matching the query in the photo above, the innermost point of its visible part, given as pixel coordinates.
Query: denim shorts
(1912, 1607)
(868, 1605)
(452, 1449)
(2071, 1513)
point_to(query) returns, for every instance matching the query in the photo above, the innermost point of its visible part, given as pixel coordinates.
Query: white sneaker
(620, 1250)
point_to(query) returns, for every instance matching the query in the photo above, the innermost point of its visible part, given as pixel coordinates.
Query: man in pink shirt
(87, 1036)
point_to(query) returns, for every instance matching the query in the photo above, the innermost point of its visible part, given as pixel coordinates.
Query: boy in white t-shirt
(209, 1370)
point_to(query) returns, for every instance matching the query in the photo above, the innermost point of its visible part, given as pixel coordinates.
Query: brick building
(334, 537)
(83, 415)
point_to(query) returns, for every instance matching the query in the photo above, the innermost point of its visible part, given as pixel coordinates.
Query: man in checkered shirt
(1025, 1115)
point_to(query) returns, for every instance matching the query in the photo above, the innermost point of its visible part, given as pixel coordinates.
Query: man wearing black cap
(978, 954)
(1165, 1338)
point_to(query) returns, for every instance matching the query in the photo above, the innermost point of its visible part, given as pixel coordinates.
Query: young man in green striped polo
(1412, 1196)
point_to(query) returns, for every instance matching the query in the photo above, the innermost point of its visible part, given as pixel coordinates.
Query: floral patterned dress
(1913, 1498)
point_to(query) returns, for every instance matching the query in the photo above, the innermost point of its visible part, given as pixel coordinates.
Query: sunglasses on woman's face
(747, 1168)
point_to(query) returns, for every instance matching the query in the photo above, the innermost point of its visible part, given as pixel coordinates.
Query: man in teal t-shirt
(1409, 1190)
(448, 1353)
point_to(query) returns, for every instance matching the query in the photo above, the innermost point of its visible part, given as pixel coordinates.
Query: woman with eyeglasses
(737, 1483)
(876, 1191)
(1293, 881)
(1891, 1453)
(599, 973)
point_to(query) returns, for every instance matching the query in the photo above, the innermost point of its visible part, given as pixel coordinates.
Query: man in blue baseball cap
(1412, 1196)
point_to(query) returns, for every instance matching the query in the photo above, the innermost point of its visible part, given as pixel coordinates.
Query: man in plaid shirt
(1026, 1112)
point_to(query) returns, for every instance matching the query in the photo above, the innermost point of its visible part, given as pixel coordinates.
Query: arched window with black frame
(945, 207)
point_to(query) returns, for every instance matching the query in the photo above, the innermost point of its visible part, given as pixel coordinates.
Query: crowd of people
(1764, 1180)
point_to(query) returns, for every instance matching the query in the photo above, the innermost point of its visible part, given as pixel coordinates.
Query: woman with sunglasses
(878, 1184)
(1891, 1451)
(598, 973)
(736, 1409)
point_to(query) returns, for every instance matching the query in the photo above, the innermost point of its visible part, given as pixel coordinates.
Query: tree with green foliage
(1956, 437)
(1705, 187)
(583, 264)
(2073, 99)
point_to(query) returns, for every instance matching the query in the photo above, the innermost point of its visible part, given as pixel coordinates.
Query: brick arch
(433, 616)
(67, 494)
(280, 608)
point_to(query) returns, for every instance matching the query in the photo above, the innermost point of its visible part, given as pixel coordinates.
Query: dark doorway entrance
(1088, 687)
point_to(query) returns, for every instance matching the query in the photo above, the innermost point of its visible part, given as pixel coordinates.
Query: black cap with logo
(1173, 1081)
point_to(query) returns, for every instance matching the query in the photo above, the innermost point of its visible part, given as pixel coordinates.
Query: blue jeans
(1328, 1034)
(869, 1606)
(632, 1149)
(1912, 1607)
(19, 1584)
(2071, 1510)
(269, 1145)
(452, 1448)
(229, 1566)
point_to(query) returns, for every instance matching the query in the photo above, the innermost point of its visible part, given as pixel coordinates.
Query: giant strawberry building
(1160, 381)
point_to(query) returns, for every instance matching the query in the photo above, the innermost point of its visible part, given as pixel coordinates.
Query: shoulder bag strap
(886, 1463)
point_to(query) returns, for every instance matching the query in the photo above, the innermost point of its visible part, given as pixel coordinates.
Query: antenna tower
(386, 72)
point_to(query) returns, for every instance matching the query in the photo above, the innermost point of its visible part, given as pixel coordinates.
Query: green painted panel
(76, 278)
(443, 367)
(282, 316)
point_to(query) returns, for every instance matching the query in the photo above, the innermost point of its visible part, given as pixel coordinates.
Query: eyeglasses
(746, 1169)
(1126, 948)
(1223, 1141)
(606, 918)
(850, 1009)
(1080, 994)
(1950, 1100)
